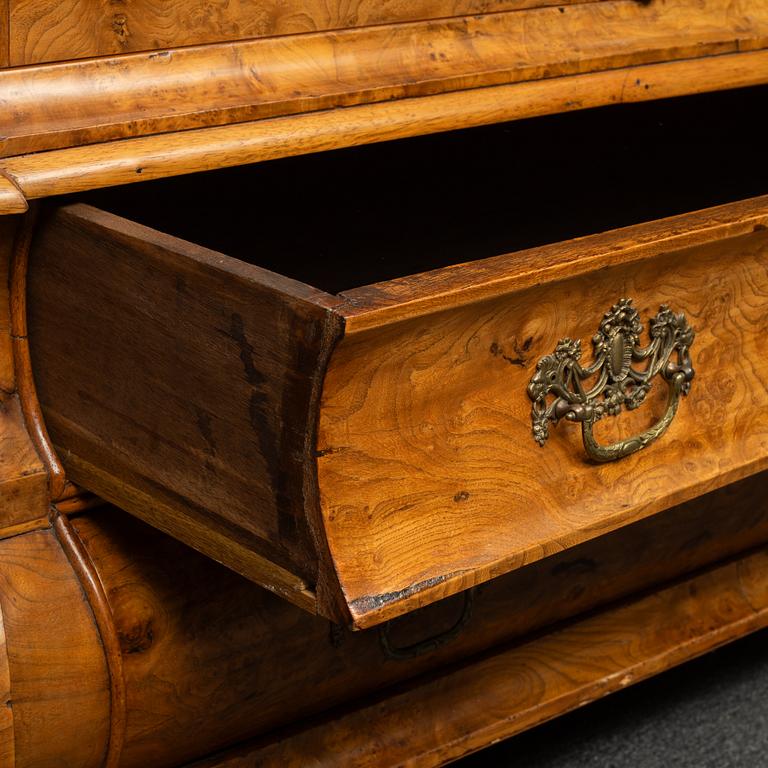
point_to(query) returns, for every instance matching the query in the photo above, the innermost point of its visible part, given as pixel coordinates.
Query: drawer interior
(347, 218)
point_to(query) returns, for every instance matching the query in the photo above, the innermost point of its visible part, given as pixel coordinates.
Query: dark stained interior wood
(226, 401)
(350, 217)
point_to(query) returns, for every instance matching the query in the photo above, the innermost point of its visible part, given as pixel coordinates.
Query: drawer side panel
(172, 373)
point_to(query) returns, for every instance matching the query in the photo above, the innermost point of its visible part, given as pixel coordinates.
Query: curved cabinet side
(57, 675)
(7, 747)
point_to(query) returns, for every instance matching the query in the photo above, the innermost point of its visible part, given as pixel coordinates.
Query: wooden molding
(11, 198)
(83, 567)
(23, 478)
(128, 161)
(25, 382)
(94, 100)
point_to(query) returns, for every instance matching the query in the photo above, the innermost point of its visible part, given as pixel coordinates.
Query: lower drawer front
(206, 658)
(364, 452)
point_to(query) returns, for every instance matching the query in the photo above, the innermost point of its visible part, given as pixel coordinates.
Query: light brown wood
(11, 198)
(464, 709)
(430, 481)
(235, 661)
(132, 160)
(23, 482)
(108, 98)
(59, 680)
(93, 588)
(199, 658)
(5, 32)
(7, 747)
(47, 31)
(425, 432)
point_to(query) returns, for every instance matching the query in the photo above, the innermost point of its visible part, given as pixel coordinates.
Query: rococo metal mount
(617, 384)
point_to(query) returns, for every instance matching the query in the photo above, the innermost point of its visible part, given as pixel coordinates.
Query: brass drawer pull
(616, 347)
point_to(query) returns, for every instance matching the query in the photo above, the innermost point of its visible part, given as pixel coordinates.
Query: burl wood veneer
(119, 646)
(363, 451)
(314, 370)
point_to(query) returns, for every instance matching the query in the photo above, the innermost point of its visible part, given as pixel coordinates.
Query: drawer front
(430, 477)
(368, 453)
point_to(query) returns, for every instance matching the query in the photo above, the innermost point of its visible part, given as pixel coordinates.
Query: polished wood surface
(59, 679)
(362, 453)
(5, 33)
(198, 658)
(404, 400)
(438, 720)
(42, 30)
(108, 98)
(23, 479)
(7, 746)
(237, 661)
(129, 161)
(11, 198)
(425, 432)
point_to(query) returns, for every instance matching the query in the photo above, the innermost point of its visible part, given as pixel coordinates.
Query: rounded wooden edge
(11, 198)
(57, 685)
(125, 161)
(86, 573)
(25, 383)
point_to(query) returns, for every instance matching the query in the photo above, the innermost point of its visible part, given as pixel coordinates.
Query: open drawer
(316, 371)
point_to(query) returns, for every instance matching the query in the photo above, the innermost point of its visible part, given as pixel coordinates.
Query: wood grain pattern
(7, 745)
(25, 384)
(429, 477)
(424, 452)
(8, 225)
(141, 159)
(93, 589)
(411, 296)
(452, 714)
(210, 658)
(23, 481)
(224, 443)
(108, 98)
(59, 679)
(11, 198)
(5, 33)
(46, 31)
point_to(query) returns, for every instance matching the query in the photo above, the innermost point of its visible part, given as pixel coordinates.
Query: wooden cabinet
(318, 291)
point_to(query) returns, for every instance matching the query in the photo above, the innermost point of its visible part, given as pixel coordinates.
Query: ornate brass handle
(616, 347)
